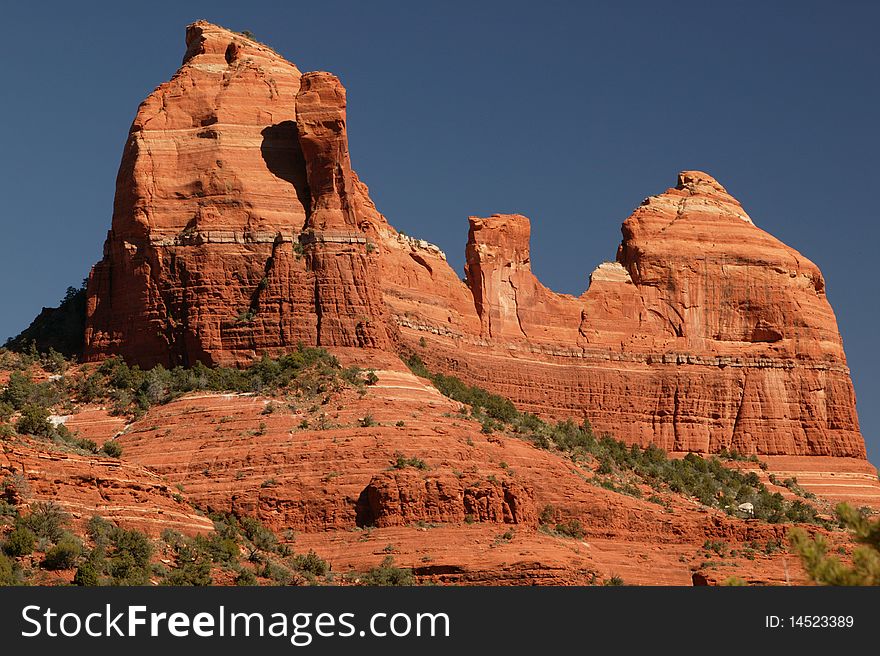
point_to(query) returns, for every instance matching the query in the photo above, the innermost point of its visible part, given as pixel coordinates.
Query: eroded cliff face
(240, 228)
(706, 333)
(226, 241)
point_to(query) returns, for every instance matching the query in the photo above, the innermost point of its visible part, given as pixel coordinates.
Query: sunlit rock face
(240, 228)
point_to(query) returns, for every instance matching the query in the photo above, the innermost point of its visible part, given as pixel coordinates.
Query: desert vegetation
(39, 540)
(27, 404)
(828, 569)
(621, 467)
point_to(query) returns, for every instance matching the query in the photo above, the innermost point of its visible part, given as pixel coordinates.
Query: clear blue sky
(568, 112)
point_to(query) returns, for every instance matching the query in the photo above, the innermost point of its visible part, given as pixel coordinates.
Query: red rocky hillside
(240, 230)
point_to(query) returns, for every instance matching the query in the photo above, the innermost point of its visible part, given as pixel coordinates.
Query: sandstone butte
(240, 229)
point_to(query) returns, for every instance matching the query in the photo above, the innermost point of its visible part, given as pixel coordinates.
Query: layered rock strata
(240, 228)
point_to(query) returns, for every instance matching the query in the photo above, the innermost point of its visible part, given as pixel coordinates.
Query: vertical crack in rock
(348, 300)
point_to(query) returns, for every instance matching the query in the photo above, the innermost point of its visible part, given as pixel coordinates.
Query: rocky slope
(706, 333)
(240, 228)
(463, 507)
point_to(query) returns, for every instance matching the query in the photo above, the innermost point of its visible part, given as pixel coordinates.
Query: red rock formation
(348, 301)
(512, 305)
(240, 228)
(226, 241)
(83, 486)
(707, 333)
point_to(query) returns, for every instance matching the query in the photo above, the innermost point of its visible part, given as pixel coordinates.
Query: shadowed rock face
(240, 228)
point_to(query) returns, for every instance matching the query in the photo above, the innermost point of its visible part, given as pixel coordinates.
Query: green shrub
(548, 515)
(480, 400)
(309, 370)
(402, 462)
(7, 432)
(46, 520)
(191, 567)
(64, 554)
(13, 488)
(100, 531)
(87, 575)
(571, 529)
(21, 391)
(260, 537)
(277, 573)
(7, 571)
(128, 557)
(310, 563)
(20, 542)
(34, 420)
(218, 548)
(84, 444)
(826, 569)
(387, 574)
(112, 448)
(245, 577)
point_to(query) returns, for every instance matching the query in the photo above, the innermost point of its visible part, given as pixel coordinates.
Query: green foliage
(21, 391)
(192, 567)
(260, 537)
(734, 581)
(87, 575)
(704, 479)
(123, 555)
(13, 488)
(245, 577)
(100, 531)
(717, 546)
(308, 370)
(735, 456)
(7, 571)
(34, 420)
(571, 529)
(277, 573)
(219, 548)
(64, 554)
(310, 563)
(614, 580)
(480, 400)
(547, 521)
(246, 316)
(46, 521)
(20, 542)
(7, 432)
(387, 574)
(826, 569)
(56, 332)
(112, 448)
(402, 462)
(792, 484)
